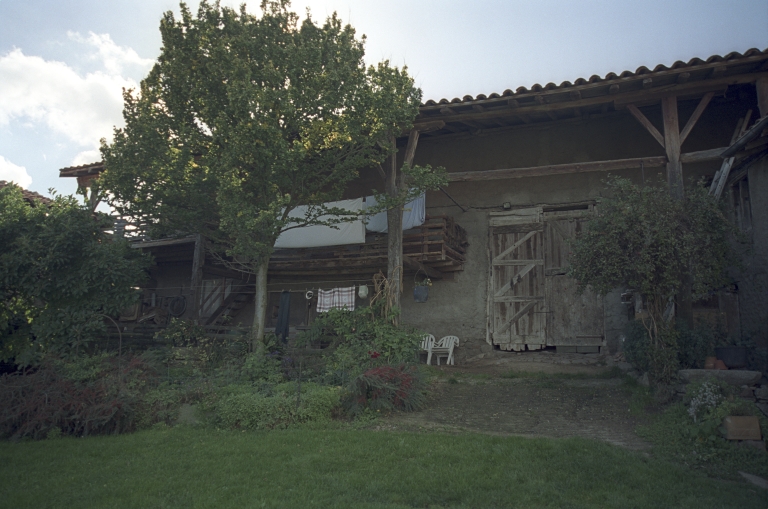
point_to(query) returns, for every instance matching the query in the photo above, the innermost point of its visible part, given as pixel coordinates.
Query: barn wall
(459, 306)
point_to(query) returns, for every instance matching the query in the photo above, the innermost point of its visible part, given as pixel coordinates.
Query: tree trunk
(394, 234)
(260, 307)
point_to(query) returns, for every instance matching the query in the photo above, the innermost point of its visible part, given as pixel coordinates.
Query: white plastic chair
(427, 342)
(444, 347)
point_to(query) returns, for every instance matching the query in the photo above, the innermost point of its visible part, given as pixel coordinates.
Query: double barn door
(531, 301)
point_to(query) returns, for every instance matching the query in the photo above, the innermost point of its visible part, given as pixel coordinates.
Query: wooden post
(260, 306)
(394, 232)
(672, 147)
(198, 259)
(394, 185)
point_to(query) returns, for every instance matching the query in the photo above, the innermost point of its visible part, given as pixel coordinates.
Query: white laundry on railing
(414, 214)
(348, 232)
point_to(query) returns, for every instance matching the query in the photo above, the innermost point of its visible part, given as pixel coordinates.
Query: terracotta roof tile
(30, 196)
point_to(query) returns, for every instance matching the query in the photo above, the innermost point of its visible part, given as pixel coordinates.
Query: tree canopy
(243, 118)
(59, 275)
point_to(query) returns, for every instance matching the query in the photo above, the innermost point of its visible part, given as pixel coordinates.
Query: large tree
(60, 275)
(243, 118)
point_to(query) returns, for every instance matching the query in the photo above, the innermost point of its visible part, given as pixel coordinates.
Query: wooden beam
(561, 169)
(614, 89)
(672, 146)
(695, 117)
(198, 259)
(557, 169)
(701, 155)
(646, 123)
(382, 173)
(410, 149)
(683, 77)
(647, 83)
(761, 87)
(418, 266)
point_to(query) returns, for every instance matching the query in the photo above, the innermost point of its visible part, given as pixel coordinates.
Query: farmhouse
(526, 169)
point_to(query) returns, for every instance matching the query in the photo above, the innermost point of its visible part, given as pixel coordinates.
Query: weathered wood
(198, 259)
(742, 143)
(695, 116)
(699, 156)
(557, 169)
(410, 149)
(683, 77)
(515, 246)
(672, 146)
(646, 123)
(510, 321)
(728, 163)
(418, 266)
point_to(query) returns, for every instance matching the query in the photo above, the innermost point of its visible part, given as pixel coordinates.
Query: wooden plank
(646, 123)
(514, 280)
(728, 163)
(672, 146)
(557, 169)
(412, 264)
(503, 263)
(523, 311)
(410, 149)
(699, 156)
(517, 299)
(515, 245)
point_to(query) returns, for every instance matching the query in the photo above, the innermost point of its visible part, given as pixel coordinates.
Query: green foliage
(245, 117)
(645, 239)
(387, 388)
(696, 344)
(244, 407)
(361, 339)
(84, 396)
(691, 432)
(59, 276)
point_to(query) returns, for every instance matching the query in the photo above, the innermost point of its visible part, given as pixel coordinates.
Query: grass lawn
(196, 467)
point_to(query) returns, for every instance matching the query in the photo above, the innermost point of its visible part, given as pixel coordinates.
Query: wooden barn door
(516, 297)
(573, 320)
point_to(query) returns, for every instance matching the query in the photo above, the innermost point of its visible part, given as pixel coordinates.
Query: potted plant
(421, 290)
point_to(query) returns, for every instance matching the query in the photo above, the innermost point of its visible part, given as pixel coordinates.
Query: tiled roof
(82, 170)
(641, 71)
(30, 196)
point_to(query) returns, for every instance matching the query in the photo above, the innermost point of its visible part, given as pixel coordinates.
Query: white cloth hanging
(348, 232)
(414, 214)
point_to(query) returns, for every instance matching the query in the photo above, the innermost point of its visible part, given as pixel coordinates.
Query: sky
(64, 63)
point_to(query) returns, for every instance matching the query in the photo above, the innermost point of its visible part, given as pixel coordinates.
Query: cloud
(86, 157)
(12, 172)
(81, 107)
(115, 58)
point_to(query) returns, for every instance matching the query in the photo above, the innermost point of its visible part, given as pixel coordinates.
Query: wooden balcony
(439, 246)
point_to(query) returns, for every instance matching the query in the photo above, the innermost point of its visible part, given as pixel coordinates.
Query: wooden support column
(198, 259)
(672, 147)
(395, 184)
(394, 232)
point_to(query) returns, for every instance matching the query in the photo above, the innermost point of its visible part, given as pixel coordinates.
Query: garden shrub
(92, 395)
(361, 339)
(691, 431)
(387, 388)
(245, 407)
(695, 345)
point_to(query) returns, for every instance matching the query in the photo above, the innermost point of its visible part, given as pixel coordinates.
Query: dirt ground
(478, 397)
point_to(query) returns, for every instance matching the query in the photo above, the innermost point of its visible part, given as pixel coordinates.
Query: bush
(694, 345)
(387, 388)
(92, 395)
(245, 407)
(360, 340)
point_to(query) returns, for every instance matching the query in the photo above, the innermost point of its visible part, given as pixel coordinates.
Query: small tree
(59, 275)
(243, 119)
(647, 240)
